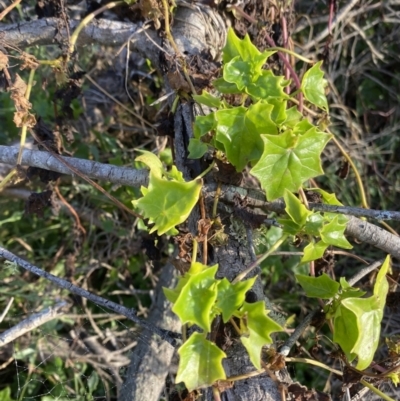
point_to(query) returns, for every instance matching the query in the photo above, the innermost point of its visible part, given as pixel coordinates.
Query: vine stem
(364, 201)
(292, 53)
(315, 363)
(24, 127)
(87, 19)
(253, 265)
(376, 391)
(169, 36)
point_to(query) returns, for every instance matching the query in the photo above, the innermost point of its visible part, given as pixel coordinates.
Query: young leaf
(239, 129)
(293, 117)
(346, 330)
(318, 287)
(225, 87)
(200, 363)
(313, 86)
(295, 209)
(207, 99)
(203, 125)
(268, 86)
(231, 297)
(196, 148)
(259, 328)
(368, 316)
(314, 251)
(196, 300)
(244, 48)
(152, 162)
(333, 234)
(167, 203)
(238, 72)
(381, 286)
(289, 160)
(314, 224)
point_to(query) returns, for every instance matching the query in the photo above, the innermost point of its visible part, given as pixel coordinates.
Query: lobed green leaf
(200, 363)
(258, 330)
(313, 86)
(318, 287)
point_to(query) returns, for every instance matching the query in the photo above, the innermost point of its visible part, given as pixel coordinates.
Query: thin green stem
(206, 171)
(376, 391)
(316, 363)
(292, 53)
(194, 252)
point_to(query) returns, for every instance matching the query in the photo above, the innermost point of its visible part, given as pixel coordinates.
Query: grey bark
(101, 171)
(151, 359)
(43, 32)
(360, 230)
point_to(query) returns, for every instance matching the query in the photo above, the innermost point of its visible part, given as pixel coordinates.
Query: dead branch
(105, 172)
(356, 228)
(44, 31)
(32, 322)
(130, 313)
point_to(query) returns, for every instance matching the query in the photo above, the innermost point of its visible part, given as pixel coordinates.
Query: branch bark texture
(44, 31)
(360, 230)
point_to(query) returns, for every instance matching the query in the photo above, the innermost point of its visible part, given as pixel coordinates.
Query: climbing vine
(250, 123)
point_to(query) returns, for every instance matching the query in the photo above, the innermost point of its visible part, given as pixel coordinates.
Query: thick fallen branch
(129, 313)
(105, 32)
(33, 322)
(358, 229)
(100, 171)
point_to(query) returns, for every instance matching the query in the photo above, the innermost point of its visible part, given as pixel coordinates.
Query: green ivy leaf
(348, 291)
(293, 117)
(259, 327)
(239, 129)
(333, 234)
(200, 363)
(289, 226)
(207, 99)
(195, 268)
(358, 321)
(225, 87)
(346, 330)
(152, 162)
(318, 287)
(278, 115)
(197, 148)
(381, 286)
(295, 209)
(314, 251)
(313, 86)
(268, 86)
(238, 72)
(196, 299)
(368, 316)
(167, 203)
(314, 224)
(231, 297)
(204, 124)
(289, 160)
(244, 48)
(302, 127)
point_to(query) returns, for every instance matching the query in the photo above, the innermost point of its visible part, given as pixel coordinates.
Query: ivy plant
(252, 123)
(198, 299)
(356, 320)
